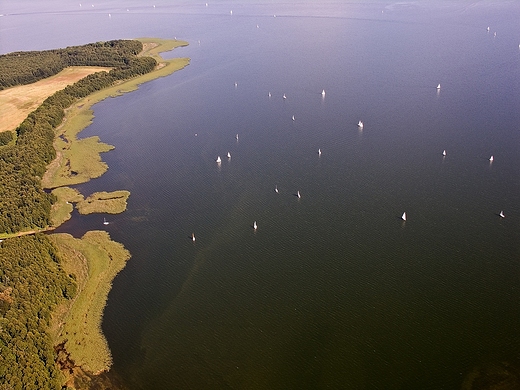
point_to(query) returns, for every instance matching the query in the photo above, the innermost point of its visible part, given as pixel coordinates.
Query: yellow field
(18, 102)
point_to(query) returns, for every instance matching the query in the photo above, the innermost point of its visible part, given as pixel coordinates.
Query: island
(54, 287)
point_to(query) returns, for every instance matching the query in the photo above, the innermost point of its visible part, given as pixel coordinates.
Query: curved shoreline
(94, 258)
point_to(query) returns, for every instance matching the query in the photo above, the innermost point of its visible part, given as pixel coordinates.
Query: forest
(32, 281)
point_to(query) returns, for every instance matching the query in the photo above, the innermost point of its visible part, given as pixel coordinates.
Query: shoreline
(95, 258)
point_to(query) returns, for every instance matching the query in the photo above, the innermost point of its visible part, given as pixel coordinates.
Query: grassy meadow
(18, 102)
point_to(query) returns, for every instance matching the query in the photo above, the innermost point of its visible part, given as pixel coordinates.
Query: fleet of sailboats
(359, 124)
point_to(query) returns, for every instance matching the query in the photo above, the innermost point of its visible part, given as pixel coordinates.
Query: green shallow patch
(104, 202)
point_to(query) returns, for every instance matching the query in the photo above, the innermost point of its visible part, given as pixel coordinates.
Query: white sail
(255, 226)
(293, 118)
(298, 194)
(228, 155)
(193, 237)
(323, 93)
(218, 160)
(502, 215)
(444, 152)
(360, 124)
(491, 159)
(319, 152)
(439, 86)
(403, 217)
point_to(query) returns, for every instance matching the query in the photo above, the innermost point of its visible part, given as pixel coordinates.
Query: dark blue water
(333, 290)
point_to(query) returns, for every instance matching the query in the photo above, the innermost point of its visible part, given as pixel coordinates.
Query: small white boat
(276, 189)
(228, 155)
(495, 34)
(491, 159)
(360, 124)
(502, 215)
(255, 226)
(231, 12)
(438, 86)
(293, 118)
(193, 237)
(105, 222)
(298, 194)
(319, 152)
(403, 217)
(487, 29)
(444, 153)
(285, 97)
(323, 93)
(236, 84)
(257, 26)
(236, 137)
(269, 94)
(218, 160)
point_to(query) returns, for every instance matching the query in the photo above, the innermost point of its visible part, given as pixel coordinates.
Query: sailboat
(444, 153)
(491, 159)
(319, 152)
(360, 124)
(218, 160)
(293, 118)
(193, 237)
(285, 97)
(403, 217)
(228, 155)
(323, 93)
(105, 222)
(276, 189)
(236, 136)
(298, 194)
(502, 215)
(255, 226)
(269, 94)
(439, 86)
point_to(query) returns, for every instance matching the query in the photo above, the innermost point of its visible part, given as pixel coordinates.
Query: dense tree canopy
(31, 284)
(20, 68)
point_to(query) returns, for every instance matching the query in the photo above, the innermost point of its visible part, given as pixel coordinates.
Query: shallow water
(332, 290)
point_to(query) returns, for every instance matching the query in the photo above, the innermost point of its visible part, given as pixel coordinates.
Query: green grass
(61, 210)
(94, 260)
(104, 202)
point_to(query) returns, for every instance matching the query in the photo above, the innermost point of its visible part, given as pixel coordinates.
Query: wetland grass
(104, 202)
(94, 260)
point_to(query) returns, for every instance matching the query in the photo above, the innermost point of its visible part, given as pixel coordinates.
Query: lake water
(333, 290)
